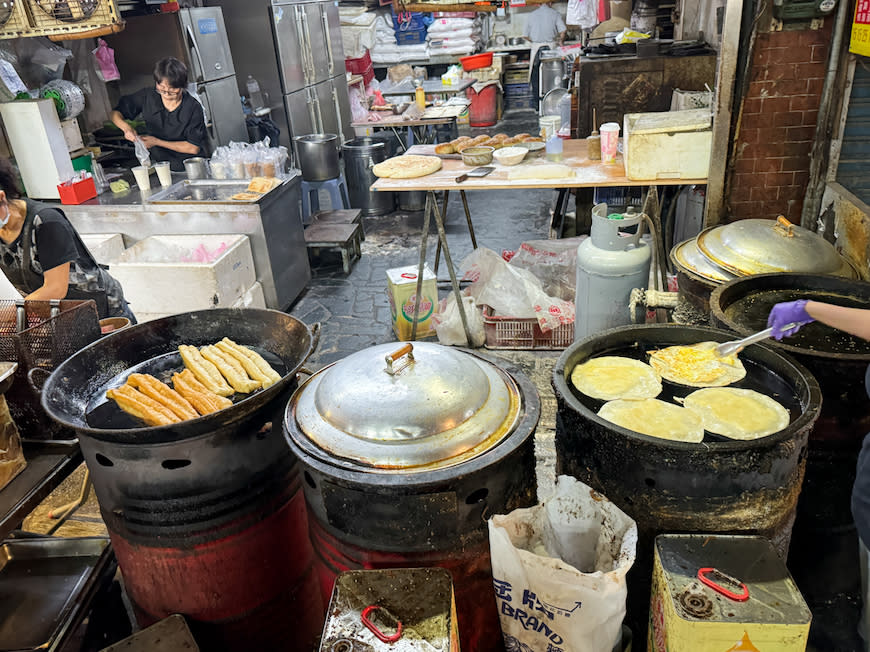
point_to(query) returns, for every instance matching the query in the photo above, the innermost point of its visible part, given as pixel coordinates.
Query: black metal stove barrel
(717, 486)
(824, 562)
(207, 517)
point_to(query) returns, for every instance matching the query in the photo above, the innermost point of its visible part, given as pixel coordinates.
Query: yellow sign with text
(860, 41)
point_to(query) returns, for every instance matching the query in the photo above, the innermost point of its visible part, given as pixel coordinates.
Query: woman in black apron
(854, 321)
(44, 258)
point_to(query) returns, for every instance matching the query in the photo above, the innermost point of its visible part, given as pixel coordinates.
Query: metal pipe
(820, 155)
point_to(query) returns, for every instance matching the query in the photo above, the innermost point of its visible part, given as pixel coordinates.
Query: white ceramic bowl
(510, 155)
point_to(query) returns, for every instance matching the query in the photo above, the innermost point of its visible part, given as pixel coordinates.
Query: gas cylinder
(610, 263)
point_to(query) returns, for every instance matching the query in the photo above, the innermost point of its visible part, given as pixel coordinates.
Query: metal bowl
(475, 156)
(516, 40)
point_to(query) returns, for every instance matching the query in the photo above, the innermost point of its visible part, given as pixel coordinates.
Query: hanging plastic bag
(142, 154)
(559, 571)
(448, 323)
(107, 70)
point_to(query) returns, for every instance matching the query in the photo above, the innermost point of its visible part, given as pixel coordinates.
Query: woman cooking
(44, 258)
(855, 321)
(174, 119)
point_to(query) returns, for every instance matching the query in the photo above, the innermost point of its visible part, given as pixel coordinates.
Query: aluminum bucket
(360, 154)
(318, 156)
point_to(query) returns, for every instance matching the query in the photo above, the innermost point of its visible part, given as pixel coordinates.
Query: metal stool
(338, 197)
(342, 216)
(344, 238)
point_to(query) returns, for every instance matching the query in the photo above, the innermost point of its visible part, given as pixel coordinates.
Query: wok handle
(37, 377)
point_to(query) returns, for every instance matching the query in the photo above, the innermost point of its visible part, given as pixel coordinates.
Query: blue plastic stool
(338, 197)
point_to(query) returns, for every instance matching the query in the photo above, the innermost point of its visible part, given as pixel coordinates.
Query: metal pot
(318, 156)
(426, 441)
(194, 509)
(720, 486)
(516, 40)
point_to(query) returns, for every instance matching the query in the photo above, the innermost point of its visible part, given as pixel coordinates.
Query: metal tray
(41, 584)
(203, 191)
(168, 635)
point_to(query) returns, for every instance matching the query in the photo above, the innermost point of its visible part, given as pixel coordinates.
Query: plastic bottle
(255, 96)
(420, 97)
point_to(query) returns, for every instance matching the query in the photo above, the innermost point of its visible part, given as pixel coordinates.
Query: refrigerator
(197, 37)
(311, 67)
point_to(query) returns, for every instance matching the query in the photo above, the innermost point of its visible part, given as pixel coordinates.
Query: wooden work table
(587, 174)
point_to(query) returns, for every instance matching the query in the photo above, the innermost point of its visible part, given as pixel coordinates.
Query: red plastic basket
(358, 65)
(475, 61)
(523, 333)
(78, 192)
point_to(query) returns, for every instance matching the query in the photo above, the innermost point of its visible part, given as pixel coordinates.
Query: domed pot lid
(407, 407)
(689, 257)
(748, 247)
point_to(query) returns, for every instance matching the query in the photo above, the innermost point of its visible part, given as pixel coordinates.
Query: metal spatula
(476, 172)
(736, 346)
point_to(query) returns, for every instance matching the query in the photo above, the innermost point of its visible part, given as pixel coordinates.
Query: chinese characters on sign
(860, 41)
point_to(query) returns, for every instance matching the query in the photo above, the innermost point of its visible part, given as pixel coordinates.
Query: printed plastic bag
(559, 571)
(553, 262)
(511, 291)
(448, 323)
(107, 70)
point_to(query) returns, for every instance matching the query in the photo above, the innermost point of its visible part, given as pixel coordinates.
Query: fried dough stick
(231, 370)
(199, 396)
(205, 371)
(254, 357)
(141, 406)
(247, 363)
(163, 394)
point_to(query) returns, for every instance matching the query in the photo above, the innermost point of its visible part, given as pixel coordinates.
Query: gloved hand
(789, 312)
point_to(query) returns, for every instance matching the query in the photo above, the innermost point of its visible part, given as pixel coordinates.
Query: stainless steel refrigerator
(311, 67)
(198, 38)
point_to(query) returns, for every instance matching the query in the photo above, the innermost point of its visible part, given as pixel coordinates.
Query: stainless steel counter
(273, 224)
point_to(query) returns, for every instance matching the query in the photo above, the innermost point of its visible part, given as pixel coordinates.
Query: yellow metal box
(690, 611)
(401, 289)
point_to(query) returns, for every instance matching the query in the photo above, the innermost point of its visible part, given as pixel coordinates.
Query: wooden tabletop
(587, 174)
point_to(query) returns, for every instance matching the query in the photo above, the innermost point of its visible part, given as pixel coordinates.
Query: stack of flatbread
(213, 374)
(407, 166)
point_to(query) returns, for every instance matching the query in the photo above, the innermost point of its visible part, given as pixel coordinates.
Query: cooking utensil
(516, 40)
(75, 394)
(476, 172)
(477, 155)
(736, 346)
(318, 156)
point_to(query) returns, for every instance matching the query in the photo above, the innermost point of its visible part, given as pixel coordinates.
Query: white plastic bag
(553, 262)
(559, 571)
(448, 323)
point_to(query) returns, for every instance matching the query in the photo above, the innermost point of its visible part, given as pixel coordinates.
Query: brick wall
(772, 157)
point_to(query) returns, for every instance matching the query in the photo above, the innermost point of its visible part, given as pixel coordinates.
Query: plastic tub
(477, 155)
(510, 155)
(475, 61)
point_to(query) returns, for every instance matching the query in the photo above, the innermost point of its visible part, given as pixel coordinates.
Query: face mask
(5, 219)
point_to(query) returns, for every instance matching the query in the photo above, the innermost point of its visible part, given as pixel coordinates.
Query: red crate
(358, 65)
(78, 192)
(523, 333)
(368, 74)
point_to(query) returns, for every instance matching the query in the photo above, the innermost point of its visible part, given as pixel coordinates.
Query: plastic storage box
(105, 247)
(523, 333)
(78, 192)
(668, 145)
(168, 274)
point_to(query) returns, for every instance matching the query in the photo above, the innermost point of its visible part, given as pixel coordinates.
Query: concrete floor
(355, 314)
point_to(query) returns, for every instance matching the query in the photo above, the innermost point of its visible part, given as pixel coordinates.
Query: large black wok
(75, 394)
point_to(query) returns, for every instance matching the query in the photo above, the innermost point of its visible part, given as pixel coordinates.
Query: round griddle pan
(75, 393)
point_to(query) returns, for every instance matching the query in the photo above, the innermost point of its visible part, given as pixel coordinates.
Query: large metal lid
(402, 408)
(748, 247)
(689, 257)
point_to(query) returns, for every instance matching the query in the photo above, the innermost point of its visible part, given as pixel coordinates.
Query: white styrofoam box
(253, 298)
(162, 273)
(667, 145)
(105, 247)
(7, 290)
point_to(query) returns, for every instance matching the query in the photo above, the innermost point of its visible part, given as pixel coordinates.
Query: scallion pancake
(611, 377)
(655, 418)
(737, 413)
(697, 365)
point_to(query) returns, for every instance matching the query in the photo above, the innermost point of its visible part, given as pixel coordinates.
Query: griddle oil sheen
(699, 597)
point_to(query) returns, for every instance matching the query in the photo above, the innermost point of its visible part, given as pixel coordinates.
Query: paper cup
(164, 174)
(609, 140)
(142, 179)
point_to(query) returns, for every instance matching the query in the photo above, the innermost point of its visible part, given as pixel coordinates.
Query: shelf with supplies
(479, 7)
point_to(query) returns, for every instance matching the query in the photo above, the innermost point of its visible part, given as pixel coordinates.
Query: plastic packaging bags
(559, 571)
(107, 70)
(448, 323)
(554, 264)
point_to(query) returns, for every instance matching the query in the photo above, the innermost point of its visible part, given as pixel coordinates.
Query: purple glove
(790, 312)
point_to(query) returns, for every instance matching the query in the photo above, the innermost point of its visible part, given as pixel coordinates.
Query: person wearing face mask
(44, 258)
(174, 119)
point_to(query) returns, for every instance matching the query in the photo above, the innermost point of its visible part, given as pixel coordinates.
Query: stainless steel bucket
(360, 154)
(318, 156)
(552, 73)
(413, 200)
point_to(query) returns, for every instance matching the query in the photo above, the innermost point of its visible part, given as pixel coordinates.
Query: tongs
(736, 346)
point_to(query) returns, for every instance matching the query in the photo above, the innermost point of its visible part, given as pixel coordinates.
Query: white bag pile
(454, 35)
(387, 50)
(357, 30)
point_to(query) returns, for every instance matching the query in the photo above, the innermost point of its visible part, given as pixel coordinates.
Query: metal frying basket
(41, 335)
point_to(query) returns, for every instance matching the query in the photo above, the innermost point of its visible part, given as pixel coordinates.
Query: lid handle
(407, 350)
(784, 227)
(718, 578)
